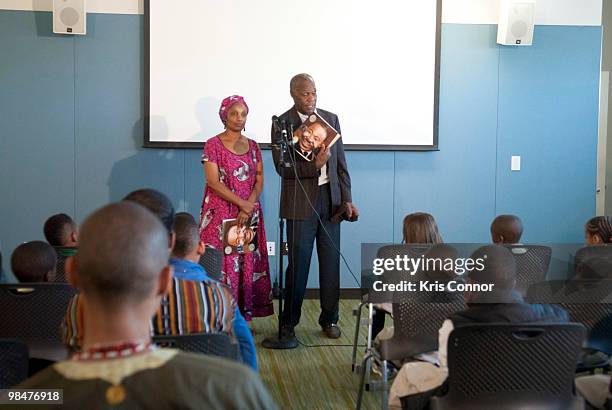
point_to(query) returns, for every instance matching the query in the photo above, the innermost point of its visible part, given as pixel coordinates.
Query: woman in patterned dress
(234, 181)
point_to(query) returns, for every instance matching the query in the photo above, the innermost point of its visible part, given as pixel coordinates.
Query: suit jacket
(294, 203)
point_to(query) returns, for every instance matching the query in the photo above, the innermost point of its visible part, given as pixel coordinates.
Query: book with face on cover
(314, 133)
(239, 240)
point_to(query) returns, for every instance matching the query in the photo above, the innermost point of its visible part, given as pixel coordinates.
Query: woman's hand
(242, 219)
(247, 207)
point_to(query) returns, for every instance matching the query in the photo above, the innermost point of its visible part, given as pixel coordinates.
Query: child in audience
(506, 229)
(598, 230)
(61, 230)
(34, 262)
(418, 228)
(122, 272)
(501, 305)
(188, 248)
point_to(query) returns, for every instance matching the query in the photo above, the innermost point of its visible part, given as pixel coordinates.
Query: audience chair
(211, 261)
(388, 251)
(216, 344)
(416, 324)
(531, 264)
(60, 269)
(588, 302)
(510, 366)
(14, 358)
(33, 313)
(593, 262)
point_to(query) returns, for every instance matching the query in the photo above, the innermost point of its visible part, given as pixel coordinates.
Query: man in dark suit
(315, 185)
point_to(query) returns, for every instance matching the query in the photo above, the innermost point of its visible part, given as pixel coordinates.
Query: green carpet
(313, 377)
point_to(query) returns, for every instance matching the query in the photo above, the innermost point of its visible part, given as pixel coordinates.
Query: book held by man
(318, 131)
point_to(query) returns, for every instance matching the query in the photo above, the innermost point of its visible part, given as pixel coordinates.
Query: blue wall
(71, 131)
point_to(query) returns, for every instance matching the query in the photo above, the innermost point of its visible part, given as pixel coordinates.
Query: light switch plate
(515, 163)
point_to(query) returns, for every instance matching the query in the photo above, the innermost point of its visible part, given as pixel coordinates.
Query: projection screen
(375, 64)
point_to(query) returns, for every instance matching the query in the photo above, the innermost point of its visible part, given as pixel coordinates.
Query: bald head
(499, 267)
(187, 235)
(157, 203)
(506, 229)
(123, 248)
(34, 262)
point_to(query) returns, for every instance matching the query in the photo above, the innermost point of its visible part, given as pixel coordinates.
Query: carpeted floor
(313, 377)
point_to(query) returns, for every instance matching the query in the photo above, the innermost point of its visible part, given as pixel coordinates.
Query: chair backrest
(62, 253)
(216, 344)
(14, 357)
(531, 264)
(33, 312)
(593, 262)
(424, 319)
(587, 302)
(417, 314)
(211, 260)
(413, 251)
(521, 360)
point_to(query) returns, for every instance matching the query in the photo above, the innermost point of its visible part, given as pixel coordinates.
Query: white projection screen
(375, 64)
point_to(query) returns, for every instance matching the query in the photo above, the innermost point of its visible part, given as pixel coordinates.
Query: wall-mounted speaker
(69, 17)
(516, 21)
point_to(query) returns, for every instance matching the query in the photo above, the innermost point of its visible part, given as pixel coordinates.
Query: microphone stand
(281, 341)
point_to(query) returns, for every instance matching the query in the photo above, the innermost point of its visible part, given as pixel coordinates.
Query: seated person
(596, 390)
(506, 229)
(122, 272)
(184, 259)
(501, 305)
(189, 307)
(34, 262)
(598, 230)
(61, 231)
(418, 228)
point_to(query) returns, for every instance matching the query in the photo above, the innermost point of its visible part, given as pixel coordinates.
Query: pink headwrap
(227, 103)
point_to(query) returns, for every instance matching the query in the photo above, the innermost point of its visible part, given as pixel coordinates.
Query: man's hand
(351, 211)
(322, 156)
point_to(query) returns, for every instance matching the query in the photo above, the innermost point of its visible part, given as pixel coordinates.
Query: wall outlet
(271, 248)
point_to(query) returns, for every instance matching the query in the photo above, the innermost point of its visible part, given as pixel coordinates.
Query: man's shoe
(287, 332)
(332, 331)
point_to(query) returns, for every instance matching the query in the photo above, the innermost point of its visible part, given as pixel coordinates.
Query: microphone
(283, 125)
(276, 124)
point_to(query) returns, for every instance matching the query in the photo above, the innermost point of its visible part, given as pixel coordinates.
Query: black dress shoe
(332, 331)
(287, 332)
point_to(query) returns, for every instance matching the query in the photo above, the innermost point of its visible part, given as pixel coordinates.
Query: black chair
(510, 366)
(593, 263)
(14, 358)
(388, 251)
(212, 262)
(416, 325)
(417, 318)
(588, 302)
(216, 344)
(531, 264)
(33, 313)
(62, 253)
